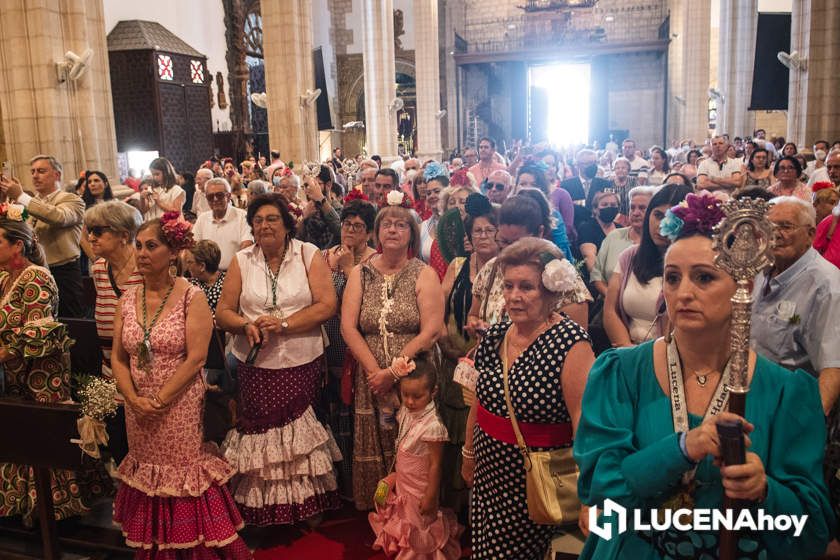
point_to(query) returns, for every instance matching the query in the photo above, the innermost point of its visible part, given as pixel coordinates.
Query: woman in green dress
(628, 446)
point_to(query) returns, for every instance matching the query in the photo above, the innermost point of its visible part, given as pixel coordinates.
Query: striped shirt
(107, 297)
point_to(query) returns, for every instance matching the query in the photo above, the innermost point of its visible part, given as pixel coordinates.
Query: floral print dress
(39, 370)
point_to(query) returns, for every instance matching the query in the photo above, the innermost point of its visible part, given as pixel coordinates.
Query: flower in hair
(14, 212)
(434, 170)
(177, 230)
(462, 178)
(395, 198)
(532, 161)
(355, 194)
(287, 172)
(698, 214)
(559, 275)
(820, 185)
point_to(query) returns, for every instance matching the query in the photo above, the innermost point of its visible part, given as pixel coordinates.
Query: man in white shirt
(200, 204)
(719, 172)
(816, 169)
(222, 224)
(637, 165)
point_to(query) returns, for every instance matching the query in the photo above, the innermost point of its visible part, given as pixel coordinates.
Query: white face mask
(820, 155)
(275, 181)
(410, 174)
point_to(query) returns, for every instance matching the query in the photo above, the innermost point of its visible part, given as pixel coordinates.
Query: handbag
(550, 476)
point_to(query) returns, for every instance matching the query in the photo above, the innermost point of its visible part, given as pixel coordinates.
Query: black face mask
(608, 214)
(590, 171)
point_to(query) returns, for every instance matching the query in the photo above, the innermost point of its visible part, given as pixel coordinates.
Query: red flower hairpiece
(820, 185)
(460, 178)
(287, 172)
(355, 194)
(177, 230)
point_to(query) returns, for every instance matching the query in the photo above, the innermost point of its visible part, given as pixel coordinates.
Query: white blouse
(293, 294)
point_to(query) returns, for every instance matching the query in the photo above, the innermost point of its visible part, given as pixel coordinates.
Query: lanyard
(679, 408)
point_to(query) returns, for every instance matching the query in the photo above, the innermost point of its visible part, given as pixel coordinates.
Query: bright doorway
(559, 103)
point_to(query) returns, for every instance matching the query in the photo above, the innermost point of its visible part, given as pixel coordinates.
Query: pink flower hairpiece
(177, 230)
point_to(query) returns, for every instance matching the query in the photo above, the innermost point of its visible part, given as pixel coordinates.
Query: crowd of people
(403, 336)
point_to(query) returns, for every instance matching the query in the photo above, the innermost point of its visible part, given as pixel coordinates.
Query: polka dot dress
(501, 527)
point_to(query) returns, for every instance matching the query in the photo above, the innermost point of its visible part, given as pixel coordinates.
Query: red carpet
(343, 535)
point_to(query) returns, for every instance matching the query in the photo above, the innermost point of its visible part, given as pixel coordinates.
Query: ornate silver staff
(744, 242)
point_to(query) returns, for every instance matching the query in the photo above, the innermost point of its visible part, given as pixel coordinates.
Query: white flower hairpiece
(14, 212)
(395, 198)
(559, 276)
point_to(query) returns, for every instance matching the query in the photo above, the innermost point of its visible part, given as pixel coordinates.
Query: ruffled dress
(39, 370)
(173, 503)
(401, 531)
(282, 454)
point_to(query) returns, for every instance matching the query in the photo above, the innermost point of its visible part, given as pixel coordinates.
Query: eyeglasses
(486, 232)
(97, 231)
(271, 219)
(786, 228)
(216, 196)
(355, 227)
(400, 226)
(496, 186)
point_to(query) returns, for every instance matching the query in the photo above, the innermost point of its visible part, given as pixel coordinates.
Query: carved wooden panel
(133, 76)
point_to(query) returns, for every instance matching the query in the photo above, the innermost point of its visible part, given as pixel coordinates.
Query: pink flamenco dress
(173, 503)
(402, 532)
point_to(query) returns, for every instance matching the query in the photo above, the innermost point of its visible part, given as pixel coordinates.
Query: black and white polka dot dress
(501, 527)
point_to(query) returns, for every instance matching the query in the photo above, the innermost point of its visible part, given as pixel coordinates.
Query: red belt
(536, 435)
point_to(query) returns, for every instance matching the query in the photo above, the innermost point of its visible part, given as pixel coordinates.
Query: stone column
(289, 74)
(427, 64)
(689, 69)
(738, 23)
(813, 112)
(380, 77)
(73, 120)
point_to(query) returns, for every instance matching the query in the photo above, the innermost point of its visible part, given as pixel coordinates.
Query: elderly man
(486, 162)
(367, 178)
(719, 172)
(223, 224)
(56, 216)
(498, 186)
(587, 183)
(797, 302)
(200, 204)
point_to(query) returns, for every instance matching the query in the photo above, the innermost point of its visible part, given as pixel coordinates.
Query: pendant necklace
(273, 279)
(144, 350)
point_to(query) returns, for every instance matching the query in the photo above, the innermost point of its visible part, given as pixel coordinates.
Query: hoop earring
(173, 270)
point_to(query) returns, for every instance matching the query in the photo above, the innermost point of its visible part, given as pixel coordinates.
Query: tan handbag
(550, 476)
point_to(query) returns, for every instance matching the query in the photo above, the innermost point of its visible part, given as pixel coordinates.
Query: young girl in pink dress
(410, 525)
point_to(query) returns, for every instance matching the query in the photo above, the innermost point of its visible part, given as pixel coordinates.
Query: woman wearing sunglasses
(110, 229)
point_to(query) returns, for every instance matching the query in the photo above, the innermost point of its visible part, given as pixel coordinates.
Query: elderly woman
(276, 296)
(633, 449)
(160, 344)
(35, 360)
(623, 183)
(605, 207)
(826, 197)
(634, 309)
(357, 219)
(285, 182)
(392, 307)
(620, 239)
(520, 216)
(788, 171)
(481, 225)
(543, 358)
(111, 227)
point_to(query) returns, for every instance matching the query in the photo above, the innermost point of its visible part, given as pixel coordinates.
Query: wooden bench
(39, 435)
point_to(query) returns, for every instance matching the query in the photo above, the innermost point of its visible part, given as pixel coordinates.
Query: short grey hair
(204, 171)
(585, 152)
(257, 187)
(218, 181)
(642, 190)
(807, 213)
(54, 163)
(115, 214)
(448, 192)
